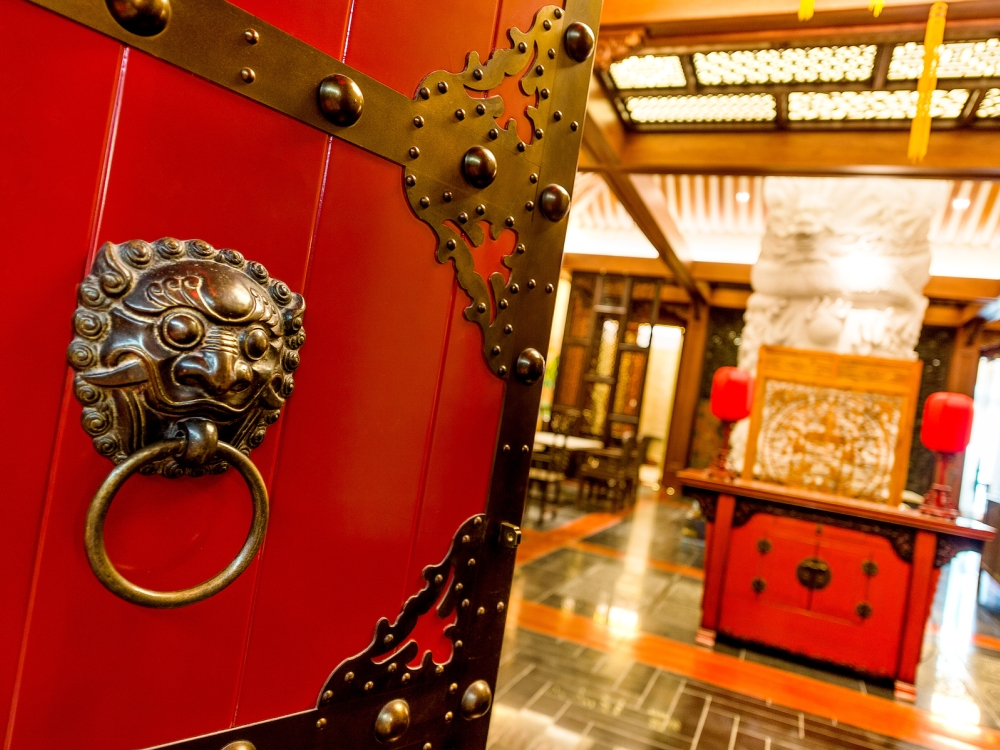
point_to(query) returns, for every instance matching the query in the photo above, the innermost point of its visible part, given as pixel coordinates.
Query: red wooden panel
(358, 446)
(400, 43)
(461, 448)
(791, 542)
(324, 25)
(845, 551)
(463, 442)
(51, 151)
(821, 624)
(191, 160)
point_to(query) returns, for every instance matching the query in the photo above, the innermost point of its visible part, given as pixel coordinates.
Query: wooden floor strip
(797, 692)
(536, 544)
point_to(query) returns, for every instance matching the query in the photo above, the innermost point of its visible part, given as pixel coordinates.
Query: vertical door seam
(318, 211)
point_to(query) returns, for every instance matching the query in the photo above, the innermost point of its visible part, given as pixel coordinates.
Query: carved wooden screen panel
(838, 424)
(398, 439)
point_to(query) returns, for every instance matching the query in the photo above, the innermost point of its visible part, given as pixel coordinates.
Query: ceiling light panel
(990, 105)
(958, 60)
(794, 65)
(702, 108)
(648, 72)
(871, 105)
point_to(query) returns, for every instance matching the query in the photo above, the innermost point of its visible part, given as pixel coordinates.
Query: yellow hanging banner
(876, 6)
(806, 9)
(920, 130)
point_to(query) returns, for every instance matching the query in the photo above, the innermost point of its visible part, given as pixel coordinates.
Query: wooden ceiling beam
(686, 43)
(954, 289)
(727, 291)
(953, 154)
(673, 18)
(990, 312)
(964, 296)
(621, 185)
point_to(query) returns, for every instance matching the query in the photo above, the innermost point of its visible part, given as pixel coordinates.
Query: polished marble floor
(600, 653)
(555, 695)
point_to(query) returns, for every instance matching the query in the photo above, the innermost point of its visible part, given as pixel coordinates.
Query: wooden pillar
(686, 395)
(965, 360)
(962, 374)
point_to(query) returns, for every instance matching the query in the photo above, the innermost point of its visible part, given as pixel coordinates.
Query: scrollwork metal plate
(445, 703)
(451, 190)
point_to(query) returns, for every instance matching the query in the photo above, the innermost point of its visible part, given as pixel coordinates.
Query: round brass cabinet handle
(116, 583)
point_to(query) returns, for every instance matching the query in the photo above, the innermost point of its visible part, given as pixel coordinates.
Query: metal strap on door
(185, 353)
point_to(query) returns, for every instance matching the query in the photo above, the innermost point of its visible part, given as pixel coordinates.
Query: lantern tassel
(920, 130)
(876, 6)
(806, 9)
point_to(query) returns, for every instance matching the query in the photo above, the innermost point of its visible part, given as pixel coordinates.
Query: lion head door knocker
(184, 355)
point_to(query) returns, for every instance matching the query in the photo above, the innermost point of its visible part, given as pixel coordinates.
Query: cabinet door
(189, 145)
(866, 595)
(761, 567)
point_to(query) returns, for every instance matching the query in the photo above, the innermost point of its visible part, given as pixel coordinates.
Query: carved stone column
(842, 268)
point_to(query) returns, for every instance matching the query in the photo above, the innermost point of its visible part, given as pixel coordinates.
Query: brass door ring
(116, 583)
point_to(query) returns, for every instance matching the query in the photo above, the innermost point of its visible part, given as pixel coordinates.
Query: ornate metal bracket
(390, 693)
(184, 355)
(457, 191)
(461, 168)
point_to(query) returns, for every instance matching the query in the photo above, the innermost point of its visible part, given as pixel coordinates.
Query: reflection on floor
(600, 653)
(555, 695)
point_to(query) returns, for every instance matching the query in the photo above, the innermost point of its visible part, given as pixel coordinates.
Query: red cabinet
(838, 580)
(821, 591)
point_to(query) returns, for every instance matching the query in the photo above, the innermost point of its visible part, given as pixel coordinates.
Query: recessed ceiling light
(990, 106)
(958, 60)
(648, 72)
(791, 65)
(871, 105)
(960, 204)
(702, 108)
(743, 197)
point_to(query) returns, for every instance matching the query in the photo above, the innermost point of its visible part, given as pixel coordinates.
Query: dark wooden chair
(606, 475)
(542, 478)
(562, 422)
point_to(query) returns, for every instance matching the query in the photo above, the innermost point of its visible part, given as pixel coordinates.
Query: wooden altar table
(849, 582)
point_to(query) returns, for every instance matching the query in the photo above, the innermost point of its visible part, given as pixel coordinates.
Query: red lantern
(732, 399)
(732, 394)
(946, 429)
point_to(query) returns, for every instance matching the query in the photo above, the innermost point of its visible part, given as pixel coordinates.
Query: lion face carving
(176, 330)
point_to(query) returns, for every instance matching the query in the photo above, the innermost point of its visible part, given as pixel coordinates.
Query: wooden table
(572, 443)
(844, 581)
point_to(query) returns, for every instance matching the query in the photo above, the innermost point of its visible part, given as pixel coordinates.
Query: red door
(416, 238)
